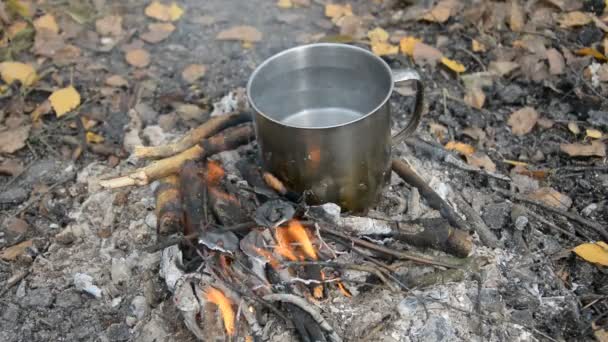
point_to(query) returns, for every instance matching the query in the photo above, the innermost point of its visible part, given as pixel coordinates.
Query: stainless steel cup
(323, 124)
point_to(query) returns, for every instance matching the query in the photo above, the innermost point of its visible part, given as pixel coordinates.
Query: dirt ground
(528, 116)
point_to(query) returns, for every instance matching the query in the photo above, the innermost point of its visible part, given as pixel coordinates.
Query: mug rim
(304, 46)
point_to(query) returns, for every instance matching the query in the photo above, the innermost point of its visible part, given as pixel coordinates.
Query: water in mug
(321, 117)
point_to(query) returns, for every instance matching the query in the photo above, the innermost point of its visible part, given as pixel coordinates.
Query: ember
(294, 235)
(215, 172)
(224, 304)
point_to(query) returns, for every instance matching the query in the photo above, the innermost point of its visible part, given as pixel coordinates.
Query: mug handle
(403, 75)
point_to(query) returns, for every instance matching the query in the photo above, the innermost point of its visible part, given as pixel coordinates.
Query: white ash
(84, 282)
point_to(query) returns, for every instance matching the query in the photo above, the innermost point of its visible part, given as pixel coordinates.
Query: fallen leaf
(42, 109)
(475, 133)
(64, 100)
(573, 127)
(426, 54)
(502, 68)
(139, 58)
(284, 4)
(193, 72)
(16, 71)
(157, 32)
(16, 28)
(13, 252)
(336, 11)
(453, 65)
(46, 22)
(576, 18)
(438, 130)
(116, 81)
(545, 122)
(14, 139)
(378, 35)
(551, 197)
(109, 26)
(22, 8)
(481, 160)
(593, 133)
(596, 253)
(597, 148)
(517, 17)
(476, 46)
(407, 45)
(462, 148)
(352, 26)
(11, 167)
(475, 98)
(301, 3)
(163, 12)
(556, 62)
(93, 138)
(522, 121)
(242, 33)
(601, 335)
(441, 12)
(587, 51)
(87, 123)
(384, 48)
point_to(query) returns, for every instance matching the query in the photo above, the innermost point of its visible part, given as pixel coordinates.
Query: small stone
(68, 299)
(38, 298)
(116, 302)
(66, 236)
(131, 321)
(512, 94)
(13, 195)
(118, 332)
(151, 220)
(15, 230)
(21, 289)
(155, 136)
(495, 214)
(11, 313)
(146, 113)
(589, 209)
(167, 122)
(84, 282)
(190, 112)
(139, 307)
(120, 270)
(598, 118)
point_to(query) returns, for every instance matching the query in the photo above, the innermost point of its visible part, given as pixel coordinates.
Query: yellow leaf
(163, 12)
(46, 22)
(587, 51)
(461, 147)
(593, 133)
(407, 45)
(515, 162)
(64, 100)
(573, 127)
(441, 12)
(453, 65)
(16, 71)
(284, 4)
(596, 253)
(336, 11)
(378, 35)
(22, 8)
(383, 48)
(93, 138)
(88, 123)
(477, 46)
(576, 18)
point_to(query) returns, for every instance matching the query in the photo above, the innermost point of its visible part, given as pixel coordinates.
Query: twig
(14, 280)
(484, 232)
(472, 55)
(302, 304)
(595, 226)
(555, 228)
(38, 197)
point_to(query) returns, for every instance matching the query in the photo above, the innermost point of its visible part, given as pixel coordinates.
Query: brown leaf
(475, 133)
(477, 46)
(556, 62)
(573, 127)
(576, 18)
(462, 148)
(242, 33)
(601, 335)
(42, 109)
(475, 98)
(157, 32)
(352, 26)
(14, 139)
(193, 72)
(109, 26)
(139, 58)
(523, 120)
(13, 252)
(438, 130)
(502, 68)
(11, 167)
(426, 54)
(545, 122)
(551, 197)
(597, 148)
(516, 20)
(116, 81)
(481, 160)
(164, 12)
(442, 11)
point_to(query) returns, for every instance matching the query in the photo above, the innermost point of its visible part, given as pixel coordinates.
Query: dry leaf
(336, 11)
(573, 127)
(441, 12)
(163, 12)
(16, 71)
(93, 138)
(576, 18)
(193, 72)
(596, 253)
(502, 68)
(593, 133)
(352, 26)
(523, 120)
(481, 160)
(157, 32)
(116, 81)
(13, 252)
(42, 109)
(64, 100)
(440, 131)
(601, 335)
(378, 35)
(426, 54)
(21, 7)
(383, 48)
(476, 46)
(109, 26)
(14, 139)
(407, 45)
(139, 58)
(587, 51)
(284, 4)
(46, 22)
(87, 123)
(597, 148)
(545, 123)
(11, 167)
(556, 62)
(475, 98)
(462, 148)
(242, 33)
(475, 133)
(16, 28)
(453, 65)
(551, 197)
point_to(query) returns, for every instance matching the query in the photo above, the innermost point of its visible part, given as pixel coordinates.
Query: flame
(317, 291)
(218, 298)
(343, 289)
(294, 234)
(274, 263)
(215, 173)
(215, 191)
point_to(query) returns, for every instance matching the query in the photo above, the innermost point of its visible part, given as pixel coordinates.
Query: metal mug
(323, 123)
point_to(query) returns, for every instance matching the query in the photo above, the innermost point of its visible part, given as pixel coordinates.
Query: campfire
(248, 248)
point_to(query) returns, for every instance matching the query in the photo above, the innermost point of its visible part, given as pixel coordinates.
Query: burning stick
(193, 189)
(224, 304)
(212, 126)
(168, 205)
(438, 234)
(229, 139)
